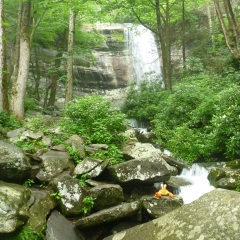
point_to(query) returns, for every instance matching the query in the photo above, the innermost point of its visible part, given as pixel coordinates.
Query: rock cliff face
(111, 68)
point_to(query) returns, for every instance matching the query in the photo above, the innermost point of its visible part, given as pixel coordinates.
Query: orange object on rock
(163, 192)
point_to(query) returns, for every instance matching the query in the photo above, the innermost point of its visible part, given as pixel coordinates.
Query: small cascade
(144, 52)
(135, 123)
(197, 175)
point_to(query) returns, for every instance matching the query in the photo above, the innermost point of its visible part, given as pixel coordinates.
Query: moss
(235, 164)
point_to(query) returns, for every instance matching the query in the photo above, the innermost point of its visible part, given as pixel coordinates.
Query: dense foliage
(94, 118)
(141, 101)
(200, 118)
(8, 121)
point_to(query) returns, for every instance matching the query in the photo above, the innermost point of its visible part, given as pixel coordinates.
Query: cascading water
(145, 59)
(143, 50)
(197, 175)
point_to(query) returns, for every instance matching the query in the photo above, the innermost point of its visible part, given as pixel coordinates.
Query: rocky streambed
(48, 192)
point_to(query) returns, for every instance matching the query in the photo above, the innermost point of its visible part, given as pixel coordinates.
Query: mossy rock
(235, 164)
(216, 174)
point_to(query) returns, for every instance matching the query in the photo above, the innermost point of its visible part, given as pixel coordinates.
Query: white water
(197, 175)
(143, 50)
(145, 59)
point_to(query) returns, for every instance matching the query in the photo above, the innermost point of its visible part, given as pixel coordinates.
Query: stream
(197, 175)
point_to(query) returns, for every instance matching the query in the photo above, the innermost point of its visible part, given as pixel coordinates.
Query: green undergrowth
(198, 119)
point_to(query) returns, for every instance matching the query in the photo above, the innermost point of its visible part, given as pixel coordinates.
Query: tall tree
(71, 29)
(3, 62)
(229, 26)
(19, 86)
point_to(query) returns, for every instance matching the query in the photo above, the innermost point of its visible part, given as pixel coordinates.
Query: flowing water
(143, 51)
(197, 175)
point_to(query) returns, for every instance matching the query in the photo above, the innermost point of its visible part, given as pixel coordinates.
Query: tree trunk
(183, 35)
(69, 83)
(3, 63)
(228, 26)
(36, 74)
(19, 87)
(163, 26)
(14, 63)
(54, 78)
(210, 22)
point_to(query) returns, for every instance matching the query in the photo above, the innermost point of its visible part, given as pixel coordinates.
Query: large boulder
(59, 228)
(40, 209)
(215, 215)
(15, 201)
(108, 215)
(70, 194)
(157, 207)
(226, 176)
(148, 170)
(77, 144)
(53, 164)
(178, 163)
(96, 148)
(87, 165)
(14, 165)
(106, 195)
(132, 150)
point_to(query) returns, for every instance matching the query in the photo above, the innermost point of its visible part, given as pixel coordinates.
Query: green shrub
(8, 121)
(29, 104)
(226, 122)
(26, 233)
(200, 118)
(94, 117)
(36, 123)
(30, 146)
(74, 154)
(88, 203)
(141, 101)
(112, 153)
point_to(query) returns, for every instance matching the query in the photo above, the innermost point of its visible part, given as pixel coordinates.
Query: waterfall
(143, 51)
(197, 175)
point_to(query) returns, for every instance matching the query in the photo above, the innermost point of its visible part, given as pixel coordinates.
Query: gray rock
(224, 177)
(60, 147)
(93, 183)
(157, 207)
(47, 141)
(176, 181)
(31, 135)
(14, 165)
(87, 165)
(15, 133)
(109, 215)
(77, 143)
(15, 201)
(123, 226)
(215, 216)
(59, 228)
(106, 195)
(149, 170)
(178, 163)
(40, 209)
(53, 164)
(96, 148)
(133, 150)
(71, 192)
(98, 169)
